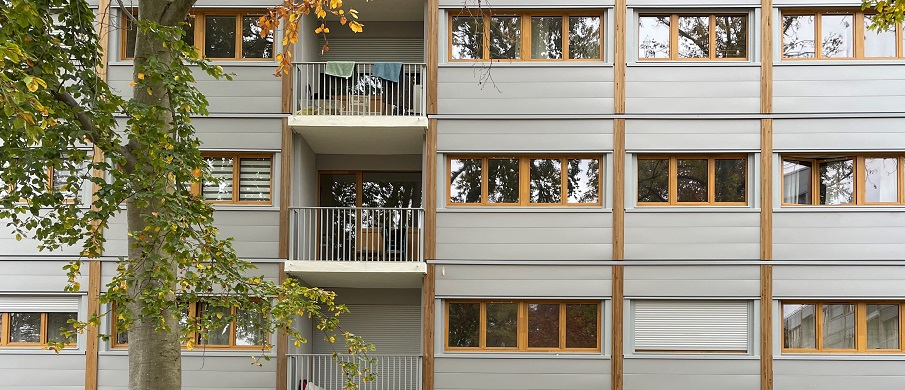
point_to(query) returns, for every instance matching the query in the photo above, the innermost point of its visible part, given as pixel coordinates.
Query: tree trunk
(154, 356)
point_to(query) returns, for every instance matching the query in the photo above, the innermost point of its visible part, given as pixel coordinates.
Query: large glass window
(516, 35)
(229, 327)
(237, 178)
(842, 180)
(837, 34)
(524, 180)
(34, 329)
(692, 180)
(523, 326)
(693, 37)
(221, 34)
(841, 326)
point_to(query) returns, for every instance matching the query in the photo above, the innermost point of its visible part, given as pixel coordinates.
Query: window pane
(391, 189)
(838, 326)
(220, 36)
(61, 177)
(730, 182)
(58, 322)
(583, 180)
(731, 36)
(253, 46)
(546, 181)
(502, 325)
(502, 180)
(836, 36)
(221, 189)
(694, 37)
(546, 37)
(584, 37)
(581, 326)
(467, 38)
(653, 37)
(131, 34)
(879, 43)
(505, 37)
(799, 324)
(836, 182)
(218, 333)
(796, 181)
(653, 180)
(465, 180)
(24, 327)
(881, 179)
(798, 36)
(543, 325)
(692, 180)
(338, 190)
(250, 327)
(254, 179)
(882, 326)
(464, 324)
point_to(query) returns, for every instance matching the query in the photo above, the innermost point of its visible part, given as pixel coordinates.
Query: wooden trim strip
(766, 197)
(285, 188)
(430, 196)
(92, 335)
(282, 344)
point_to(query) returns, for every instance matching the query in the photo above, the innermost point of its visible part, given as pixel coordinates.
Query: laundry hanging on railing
(343, 69)
(389, 71)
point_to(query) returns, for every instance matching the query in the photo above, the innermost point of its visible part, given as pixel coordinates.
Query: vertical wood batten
(286, 101)
(766, 197)
(282, 345)
(430, 196)
(619, 65)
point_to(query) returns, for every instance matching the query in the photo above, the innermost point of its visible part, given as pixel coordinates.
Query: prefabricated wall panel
(843, 235)
(692, 281)
(536, 373)
(839, 134)
(690, 374)
(801, 372)
(692, 235)
(522, 135)
(691, 135)
(200, 370)
(800, 88)
(551, 280)
(692, 89)
(839, 281)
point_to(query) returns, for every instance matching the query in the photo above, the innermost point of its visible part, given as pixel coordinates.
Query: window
(842, 180)
(692, 180)
(691, 326)
(693, 37)
(241, 178)
(848, 327)
(837, 34)
(218, 34)
(69, 184)
(522, 326)
(33, 321)
(524, 180)
(245, 330)
(516, 35)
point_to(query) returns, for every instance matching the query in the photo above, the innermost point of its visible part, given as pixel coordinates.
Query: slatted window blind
(374, 50)
(694, 326)
(39, 304)
(246, 181)
(254, 179)
(222, 189)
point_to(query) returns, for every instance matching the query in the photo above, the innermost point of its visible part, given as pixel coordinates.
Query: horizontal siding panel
(691, 135)
(524, 135)
(692, 236)
(838, 281)
(843, 88)
(692, 281)
(521, 374)
(256, 233)
(547, 281)
(803, 374)
(672, 89)
(35, 276)
(838, 134)
(514, 105)
(690, 374)
(525, 251)
(839, 236)
(42, 371)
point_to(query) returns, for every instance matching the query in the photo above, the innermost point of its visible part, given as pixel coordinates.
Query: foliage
(63, 128)
(888, 13)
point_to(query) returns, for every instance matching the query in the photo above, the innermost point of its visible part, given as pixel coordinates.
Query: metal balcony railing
(363, 93)
(394, 372)
(356, 234)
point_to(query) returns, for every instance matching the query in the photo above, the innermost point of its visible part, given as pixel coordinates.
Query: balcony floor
(349, 134)
(360, 274)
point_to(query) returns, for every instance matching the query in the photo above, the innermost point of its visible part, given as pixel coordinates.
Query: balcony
(394, 372)
(357, 246)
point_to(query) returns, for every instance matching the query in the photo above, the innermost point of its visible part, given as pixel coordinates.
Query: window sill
(525, 209)
(524, 355)
(840, 357)
(692, 209)
(837, 209)
(200, 353)
(224, 63)
(696, 356)
(817, 62)
(244, 207)
(526, 64)
(38, 351)
(693, 64)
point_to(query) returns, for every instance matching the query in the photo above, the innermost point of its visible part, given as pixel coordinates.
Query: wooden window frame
(859, 180)
(199, 16)
(359, 183)
(198, 187)
(674, 36)
(525, 30)
(860, 328)
(522, 326)
(858, 33)
(673, 183)
(525, 180)
(43, 336)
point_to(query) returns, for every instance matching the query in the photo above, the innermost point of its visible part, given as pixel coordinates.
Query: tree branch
(84, 120)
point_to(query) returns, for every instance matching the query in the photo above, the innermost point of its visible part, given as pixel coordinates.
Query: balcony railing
(394, 372)
(357, 234)
(363, 93)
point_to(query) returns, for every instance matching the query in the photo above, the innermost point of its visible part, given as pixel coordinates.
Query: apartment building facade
(591, 194)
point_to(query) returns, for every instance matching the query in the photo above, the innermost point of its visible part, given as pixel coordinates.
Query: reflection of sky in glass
(584, 37)
(798, 36)
(583, 182)
(653, 37)
(837, 183)
(791, 310)
(882, 177)
(546, 37)
(467, 38)
(878, 43)
(694, 37)
(836, 36)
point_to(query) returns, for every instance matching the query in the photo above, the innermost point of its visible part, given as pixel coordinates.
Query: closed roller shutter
(691, 325)
(374, 50)
(39, 304)
(392, 329)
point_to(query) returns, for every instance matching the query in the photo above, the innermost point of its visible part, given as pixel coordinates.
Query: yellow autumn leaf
(141, 76)
(356, 27)
(132, 83)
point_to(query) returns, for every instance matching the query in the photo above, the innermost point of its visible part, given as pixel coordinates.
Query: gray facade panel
(26, 246)
(36, 276)
(521, 374)
(838, 134)
(850, 282)
(541, 89)
(42, 371)
(692, 236)
(841, 374)
(843, 88)
(246, 134)
(524, 235)
(524, 135)
(256, 233)
(524, 281)
(692, 89)
(689, 374)
(692, 135)
(342, 162)
(692, 281)
(838, 235)
(198, 372)
(519, 4)
(388, 318)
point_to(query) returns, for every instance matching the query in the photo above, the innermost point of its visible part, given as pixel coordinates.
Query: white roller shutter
(691, 325)
(392, 329)
(409, 50)
(39, 304)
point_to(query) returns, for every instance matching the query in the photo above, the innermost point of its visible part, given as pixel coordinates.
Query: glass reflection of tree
(505, 37)
(546, 180)
(584, 37)
(502, 325)
(468, 37)
(691, 180)
(653, 180)
(464, 324)
(650, 47)
(581, 326)
(546, 37)
(253, 46)
(583, 180)
(220, 37)
(694, 37)
(543, 325)
(502, 180)
(465, 181)
(836, 179)
(732, 36)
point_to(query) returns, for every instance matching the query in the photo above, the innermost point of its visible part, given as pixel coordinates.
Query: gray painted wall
(247, 134)
(849, 235)
(847, 282)
(692, 235)
(525, 89)
(304, 179)
(712, 136)
(692, 89)
(42, 370)
(691, 374)
(36, 276)
(869, 134)
(27, 247)
(520, 234)
(692, 281)
(820, 88)
(340, 162)
(531, 373)
(566, 135)
(523, 281)
(838, 374)
(199, 371)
